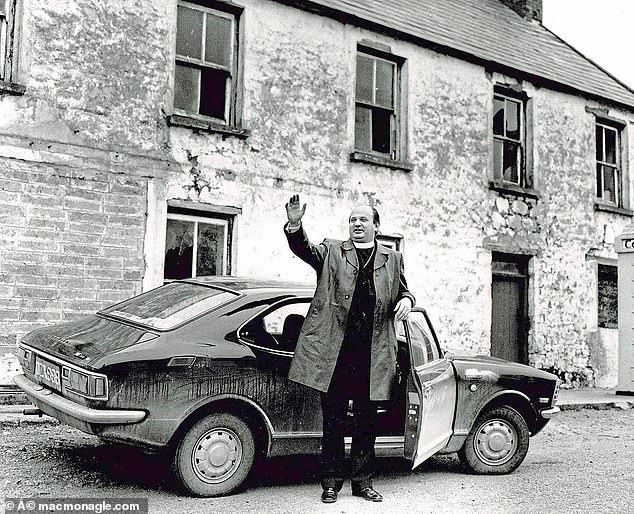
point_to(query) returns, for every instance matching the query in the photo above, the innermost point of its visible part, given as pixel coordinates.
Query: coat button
(347, 296)
(354, 272)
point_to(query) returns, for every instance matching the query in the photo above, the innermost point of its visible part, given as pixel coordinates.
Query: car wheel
(497, 443)
(215, 455)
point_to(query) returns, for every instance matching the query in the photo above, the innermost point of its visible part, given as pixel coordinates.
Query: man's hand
(402, 309)
(294, 212)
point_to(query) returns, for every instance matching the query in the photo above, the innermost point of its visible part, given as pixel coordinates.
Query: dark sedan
(198, 368)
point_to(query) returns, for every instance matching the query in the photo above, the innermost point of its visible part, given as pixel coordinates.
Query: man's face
(362, 227)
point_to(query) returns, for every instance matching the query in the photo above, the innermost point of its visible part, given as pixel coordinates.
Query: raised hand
(295, 211)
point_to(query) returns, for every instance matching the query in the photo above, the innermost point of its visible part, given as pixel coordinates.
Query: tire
(497, 443)
(215, 455)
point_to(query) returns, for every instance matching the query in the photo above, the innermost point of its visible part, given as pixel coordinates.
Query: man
(347, 345)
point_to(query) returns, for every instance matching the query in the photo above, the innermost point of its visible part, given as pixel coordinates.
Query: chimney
(529, 9)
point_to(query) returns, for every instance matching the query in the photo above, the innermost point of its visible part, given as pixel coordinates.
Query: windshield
(166, 307)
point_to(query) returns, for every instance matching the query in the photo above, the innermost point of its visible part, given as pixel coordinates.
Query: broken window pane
(510, 162)
(186, 82)
(218, 40)
(610, 146)
(211, 245)
(609, 184)
(213, 93)
(498, 116)
(362, 128)
(498, 145)
(384, 84)
(179, 249)
(381, 131)
(513, 120)
(365, 79)
(189, 32)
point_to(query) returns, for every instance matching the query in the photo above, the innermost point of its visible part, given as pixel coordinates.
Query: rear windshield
(166, 307)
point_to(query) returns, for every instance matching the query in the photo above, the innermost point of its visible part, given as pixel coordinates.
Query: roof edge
(352, 19)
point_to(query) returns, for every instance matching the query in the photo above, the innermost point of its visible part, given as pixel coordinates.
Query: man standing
(347, 346)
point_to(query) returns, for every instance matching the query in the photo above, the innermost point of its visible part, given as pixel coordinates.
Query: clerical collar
(369, 244)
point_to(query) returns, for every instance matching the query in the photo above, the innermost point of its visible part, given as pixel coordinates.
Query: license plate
(48, 373)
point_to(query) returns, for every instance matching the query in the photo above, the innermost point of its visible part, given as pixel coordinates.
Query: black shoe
(329, 495)
(367, 493)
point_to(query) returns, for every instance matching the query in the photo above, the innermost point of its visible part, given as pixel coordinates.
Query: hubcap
(495, 442)
(217, 455)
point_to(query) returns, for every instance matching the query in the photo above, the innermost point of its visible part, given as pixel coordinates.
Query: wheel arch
(517, 401)
(244, 408)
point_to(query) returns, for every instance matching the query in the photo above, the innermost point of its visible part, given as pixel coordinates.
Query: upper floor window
(205, 80)
(197, 245)
(376, 104)
(509, 140)
(7, 33)
(608, 164)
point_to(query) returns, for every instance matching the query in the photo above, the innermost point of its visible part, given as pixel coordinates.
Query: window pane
(609, 184)
(362, 128)
(498, 116)
(365, 79)
(498, 145)
(610, 146)
(513, 120)
(211, 249)
(179, 249)
(381, 131)
(219, 40)
(385, 84)
(186, 80)
(189, 32)
(510, 160)
(213, 93)
(599, 132)
(3, 8)
(599, 180)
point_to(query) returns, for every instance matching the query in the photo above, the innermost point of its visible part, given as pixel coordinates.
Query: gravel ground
(581, 462)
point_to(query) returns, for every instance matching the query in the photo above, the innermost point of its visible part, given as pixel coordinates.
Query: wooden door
(509, 314)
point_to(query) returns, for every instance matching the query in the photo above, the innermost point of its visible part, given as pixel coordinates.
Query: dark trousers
(335, 417)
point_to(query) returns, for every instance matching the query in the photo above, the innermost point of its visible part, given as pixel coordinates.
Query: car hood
(500, 366)
(84, 341)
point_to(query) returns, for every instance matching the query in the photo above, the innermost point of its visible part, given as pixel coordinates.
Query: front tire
(215, 455)
(497, 443)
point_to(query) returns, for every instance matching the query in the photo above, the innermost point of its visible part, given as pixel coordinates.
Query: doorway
(509, 309)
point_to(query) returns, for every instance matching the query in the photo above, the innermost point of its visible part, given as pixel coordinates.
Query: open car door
(431, 392)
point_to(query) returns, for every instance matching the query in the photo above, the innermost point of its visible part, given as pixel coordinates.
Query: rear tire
(497, 443)
(215, 456)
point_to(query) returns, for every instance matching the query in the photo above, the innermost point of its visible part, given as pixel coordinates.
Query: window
(197, 245)
(279, 328)
(424, 347)
(608, 296)
(205, 79)
(7, 29)
(509, 140)
(393, 242)
(608, 164)
(376, 108)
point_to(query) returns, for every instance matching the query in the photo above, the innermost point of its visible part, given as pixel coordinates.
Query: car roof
(250, 285)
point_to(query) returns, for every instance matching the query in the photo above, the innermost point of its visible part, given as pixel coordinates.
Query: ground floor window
(608, 295)
(196, 245)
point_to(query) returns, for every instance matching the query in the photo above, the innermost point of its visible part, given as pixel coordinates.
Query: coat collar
(382, 253)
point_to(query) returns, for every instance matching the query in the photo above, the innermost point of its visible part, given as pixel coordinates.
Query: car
(197, 368)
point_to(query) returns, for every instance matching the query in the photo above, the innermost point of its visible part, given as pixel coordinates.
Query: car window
(277, 328)
(166, 307)
(423, 347)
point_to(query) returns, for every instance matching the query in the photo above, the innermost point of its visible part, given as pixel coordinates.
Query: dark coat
(322, 333)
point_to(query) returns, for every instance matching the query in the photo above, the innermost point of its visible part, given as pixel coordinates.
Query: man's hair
(375, 216)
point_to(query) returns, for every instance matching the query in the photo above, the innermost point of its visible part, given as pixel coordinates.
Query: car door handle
(473, 374)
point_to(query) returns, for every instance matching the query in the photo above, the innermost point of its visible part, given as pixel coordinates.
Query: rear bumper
(550, 413)
(69, 412)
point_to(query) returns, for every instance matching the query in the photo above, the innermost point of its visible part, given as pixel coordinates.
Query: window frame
(396, 157)
(524, 177)
(9, 38)
(230, 125)
(602, 323)
(207, 217)
(617, 166)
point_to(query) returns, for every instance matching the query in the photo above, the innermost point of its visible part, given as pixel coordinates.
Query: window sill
(206, 125)
(381, 160)
(12, 88)
(505, 187)
(605, 207)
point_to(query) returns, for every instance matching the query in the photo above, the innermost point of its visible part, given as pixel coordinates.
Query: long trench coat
(322, 334)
